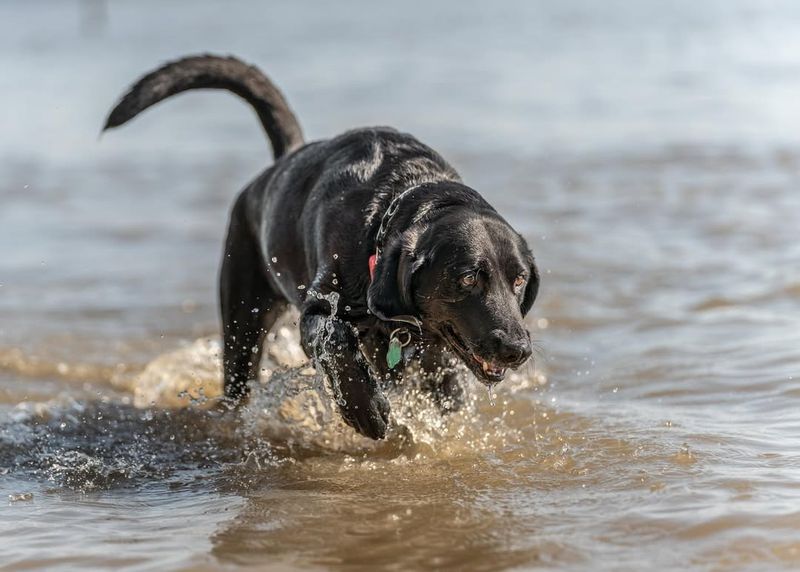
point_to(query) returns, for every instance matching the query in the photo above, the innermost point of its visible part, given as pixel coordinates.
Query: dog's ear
(531, 289)
(389, 296)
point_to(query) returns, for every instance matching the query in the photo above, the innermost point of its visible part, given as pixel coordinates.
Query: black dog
(374, 237)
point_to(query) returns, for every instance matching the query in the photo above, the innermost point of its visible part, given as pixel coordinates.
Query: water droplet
(336, 257)
(347, 308)
(301, 287)
(335, 281)
(274, 259)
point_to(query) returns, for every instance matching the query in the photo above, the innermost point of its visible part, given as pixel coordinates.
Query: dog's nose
(511, 350)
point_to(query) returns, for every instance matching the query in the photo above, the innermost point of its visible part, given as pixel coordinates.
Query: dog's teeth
(486, 367)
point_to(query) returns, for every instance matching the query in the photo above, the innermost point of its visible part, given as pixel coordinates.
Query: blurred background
(517, 91)
(650, 153)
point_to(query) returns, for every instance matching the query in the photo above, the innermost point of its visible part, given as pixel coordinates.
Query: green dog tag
(395, 353)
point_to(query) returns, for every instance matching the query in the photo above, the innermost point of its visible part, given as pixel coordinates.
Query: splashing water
(171, 440)
(325, 331)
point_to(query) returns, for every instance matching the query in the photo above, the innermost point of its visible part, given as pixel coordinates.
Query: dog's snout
(511, 350)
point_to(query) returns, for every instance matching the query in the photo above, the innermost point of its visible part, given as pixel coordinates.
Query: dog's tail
(214, 72)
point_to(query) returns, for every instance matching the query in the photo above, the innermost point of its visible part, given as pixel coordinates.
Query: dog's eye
(468, 280)
(519, 282)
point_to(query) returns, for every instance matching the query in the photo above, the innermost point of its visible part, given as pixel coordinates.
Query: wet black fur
(305, 228)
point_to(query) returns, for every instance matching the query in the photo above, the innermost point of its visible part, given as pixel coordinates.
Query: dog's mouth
(486, 371)
(489, 369)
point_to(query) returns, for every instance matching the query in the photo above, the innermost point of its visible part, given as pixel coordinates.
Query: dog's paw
(366, 411)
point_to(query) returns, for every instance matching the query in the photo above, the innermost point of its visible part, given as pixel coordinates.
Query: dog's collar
(372, 263)
(384, 226)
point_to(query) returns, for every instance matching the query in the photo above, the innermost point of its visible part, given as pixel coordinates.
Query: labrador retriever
(391, 260)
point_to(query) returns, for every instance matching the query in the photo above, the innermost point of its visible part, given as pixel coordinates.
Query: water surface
(648, 153)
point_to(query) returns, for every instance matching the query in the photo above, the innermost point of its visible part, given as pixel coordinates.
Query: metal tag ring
(396, 333)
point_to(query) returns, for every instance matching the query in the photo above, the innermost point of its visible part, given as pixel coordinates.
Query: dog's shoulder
(382, 145)
(385, 161)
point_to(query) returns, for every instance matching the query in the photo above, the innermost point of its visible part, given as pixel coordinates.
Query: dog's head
(470, 278)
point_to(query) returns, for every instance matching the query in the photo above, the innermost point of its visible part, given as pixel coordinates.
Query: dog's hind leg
(333, 345)
(249, 306)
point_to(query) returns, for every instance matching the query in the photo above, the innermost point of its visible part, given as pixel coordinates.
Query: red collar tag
(373, 260)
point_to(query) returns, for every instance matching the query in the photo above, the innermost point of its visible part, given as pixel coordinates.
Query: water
(650, 154)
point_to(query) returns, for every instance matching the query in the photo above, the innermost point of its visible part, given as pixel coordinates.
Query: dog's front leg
(442, 379)
(333, 345)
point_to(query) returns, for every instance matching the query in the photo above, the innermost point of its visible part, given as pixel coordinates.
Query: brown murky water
(649, 153)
